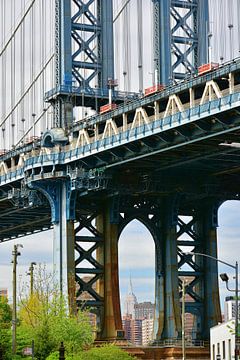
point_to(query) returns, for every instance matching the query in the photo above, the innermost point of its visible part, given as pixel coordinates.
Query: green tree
(5, 327)
(109, 352)
(44, 318)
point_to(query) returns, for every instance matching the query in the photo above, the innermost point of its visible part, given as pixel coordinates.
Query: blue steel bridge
(163, 158)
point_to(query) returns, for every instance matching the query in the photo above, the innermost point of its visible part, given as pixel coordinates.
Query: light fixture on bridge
(224, 277)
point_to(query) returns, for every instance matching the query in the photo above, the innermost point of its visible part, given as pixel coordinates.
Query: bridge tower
(180, 31)
(89, 63)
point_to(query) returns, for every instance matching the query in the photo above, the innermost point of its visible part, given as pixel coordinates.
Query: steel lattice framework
(84, 54)
(178, 48)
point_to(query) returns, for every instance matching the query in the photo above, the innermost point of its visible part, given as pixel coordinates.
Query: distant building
(222, 341)
(133, 317)
(132, 329)
(144, 310)
(4, 292)
(130, 302)
(127, 326)
(230, 308)
(147, 331)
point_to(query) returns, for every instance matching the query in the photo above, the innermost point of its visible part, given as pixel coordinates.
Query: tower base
(168, 353)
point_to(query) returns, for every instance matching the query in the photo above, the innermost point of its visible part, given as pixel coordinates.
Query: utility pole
(183, 321)
(31, 269)
(15, 254)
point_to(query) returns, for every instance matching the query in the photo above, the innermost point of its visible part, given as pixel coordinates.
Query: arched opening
(137, 282)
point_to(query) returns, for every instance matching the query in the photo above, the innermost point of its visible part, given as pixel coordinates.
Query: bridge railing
(38, 158)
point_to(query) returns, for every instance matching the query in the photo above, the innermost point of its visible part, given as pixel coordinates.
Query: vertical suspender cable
(126, 74)
(33, 68)
(53, 50)
(222, 32)
(230, 27)
(22, 66)
(41, 29)
(3, 84)
(140, 46)
(238, 25)
(43, 48)
(116, 44)
(12, 125)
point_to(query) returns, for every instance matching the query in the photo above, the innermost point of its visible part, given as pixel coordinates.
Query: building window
(229, 349)
(223, 350)
(218, 348)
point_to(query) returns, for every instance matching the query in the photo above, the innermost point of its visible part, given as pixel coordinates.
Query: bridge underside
(175, 194)
(169, 160)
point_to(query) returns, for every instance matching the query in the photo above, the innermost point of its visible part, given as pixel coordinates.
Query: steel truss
(180, 37)
(197, 233)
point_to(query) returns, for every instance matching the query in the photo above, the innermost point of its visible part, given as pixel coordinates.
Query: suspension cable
(26, 91)
(17, 27)
(140, 46)
(32, 125)
(121, 10)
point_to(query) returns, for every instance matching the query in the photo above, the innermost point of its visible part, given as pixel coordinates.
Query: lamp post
(15, 254)
(224, 277)
(183, 320)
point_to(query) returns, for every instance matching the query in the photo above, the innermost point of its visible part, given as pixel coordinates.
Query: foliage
(44, 318)
(5, 328)
(53, 356)
(231, 328)
(110, 352)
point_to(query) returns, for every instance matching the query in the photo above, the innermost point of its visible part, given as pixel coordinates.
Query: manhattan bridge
(118, 110)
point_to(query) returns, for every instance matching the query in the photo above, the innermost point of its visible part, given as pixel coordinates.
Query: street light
(224, 277)
(183, 320)
(15, 254)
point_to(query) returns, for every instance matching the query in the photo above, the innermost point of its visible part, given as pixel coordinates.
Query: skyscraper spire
(130, 300)
(131, 287)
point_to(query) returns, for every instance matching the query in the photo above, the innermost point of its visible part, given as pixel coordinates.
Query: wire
(121, 10)
(140, 46)
(13, 56)
(26, 91)
(17, 27)
(3, 63)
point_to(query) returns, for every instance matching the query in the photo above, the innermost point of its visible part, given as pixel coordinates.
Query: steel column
(159, 283)
(62, 204)
(63, 109)
(63, 249)
(106, 54)
(111, 321)
(208, 290)
(162, 40)
(172, 315)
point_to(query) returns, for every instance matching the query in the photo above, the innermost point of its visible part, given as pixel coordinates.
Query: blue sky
(136, 254)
